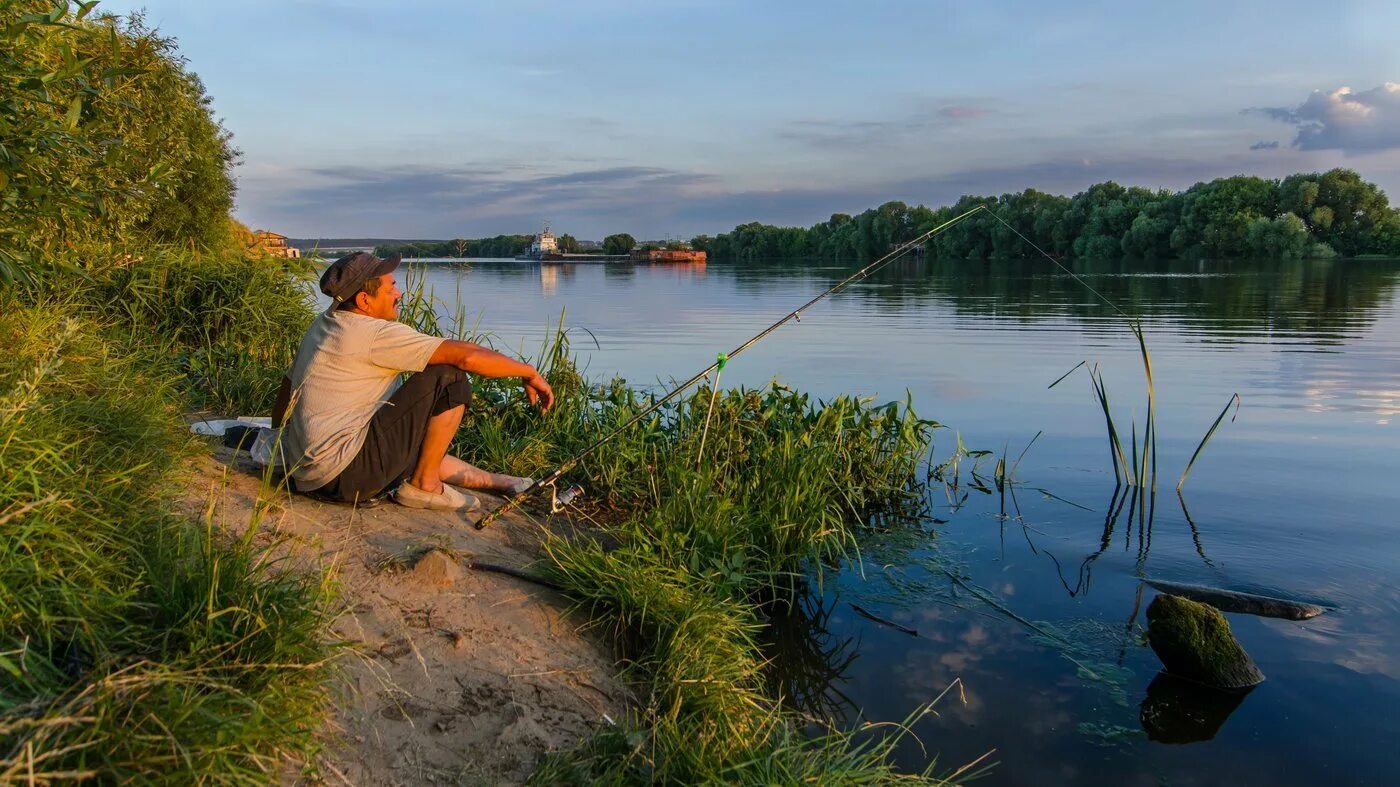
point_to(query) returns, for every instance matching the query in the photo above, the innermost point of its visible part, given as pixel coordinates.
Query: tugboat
(544, 248)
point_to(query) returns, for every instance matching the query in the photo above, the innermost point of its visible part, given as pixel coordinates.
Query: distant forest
(501, 246)
(1313, 215)
(1329, 214)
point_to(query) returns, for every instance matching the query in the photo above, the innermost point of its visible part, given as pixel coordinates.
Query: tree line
(1329, 214)
(500, 246)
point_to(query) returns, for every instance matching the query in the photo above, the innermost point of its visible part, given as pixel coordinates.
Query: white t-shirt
(346, 367)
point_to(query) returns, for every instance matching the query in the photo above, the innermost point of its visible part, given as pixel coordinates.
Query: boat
(668, 255)
(544, 248)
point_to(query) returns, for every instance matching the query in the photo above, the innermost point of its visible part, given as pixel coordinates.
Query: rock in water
(1195, 642)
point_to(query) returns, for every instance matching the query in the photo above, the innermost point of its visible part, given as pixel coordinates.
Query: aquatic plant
(1137, 467)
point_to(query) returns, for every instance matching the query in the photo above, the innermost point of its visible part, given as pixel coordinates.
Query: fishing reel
(558, 500)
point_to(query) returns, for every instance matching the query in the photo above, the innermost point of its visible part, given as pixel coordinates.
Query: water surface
(1294, 498)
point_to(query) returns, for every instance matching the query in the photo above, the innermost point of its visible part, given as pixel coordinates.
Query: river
(1042, 623)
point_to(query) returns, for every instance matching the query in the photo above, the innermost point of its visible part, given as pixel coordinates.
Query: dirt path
(452, 676)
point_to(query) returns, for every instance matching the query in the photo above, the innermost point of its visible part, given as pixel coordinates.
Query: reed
(1137, 467)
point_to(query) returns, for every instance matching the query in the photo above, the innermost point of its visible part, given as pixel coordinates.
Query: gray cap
(347, 275)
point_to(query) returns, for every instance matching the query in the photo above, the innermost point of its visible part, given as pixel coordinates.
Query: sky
(671, 118)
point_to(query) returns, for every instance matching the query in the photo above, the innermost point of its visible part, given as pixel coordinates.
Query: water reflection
(1327, 300)
(1179, 711)
(1294, 499)
(808, 661)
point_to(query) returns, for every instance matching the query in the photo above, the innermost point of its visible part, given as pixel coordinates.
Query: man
(351, 432)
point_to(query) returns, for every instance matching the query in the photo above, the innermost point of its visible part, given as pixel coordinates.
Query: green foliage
(703, 547)
(1340, 210)
(568, 244)
(1219, 219)
(106, 141)
(1284, 238)
(134, 646)
(621, 243)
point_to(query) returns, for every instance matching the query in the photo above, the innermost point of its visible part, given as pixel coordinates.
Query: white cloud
(1344, 119)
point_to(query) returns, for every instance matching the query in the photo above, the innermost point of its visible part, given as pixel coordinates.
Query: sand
(450, 675)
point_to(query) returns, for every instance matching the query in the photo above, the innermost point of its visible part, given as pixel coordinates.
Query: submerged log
(1247, 603)
(1195, 642)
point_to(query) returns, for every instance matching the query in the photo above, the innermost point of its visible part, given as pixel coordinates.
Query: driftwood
(1194, 642)
(1247, 603)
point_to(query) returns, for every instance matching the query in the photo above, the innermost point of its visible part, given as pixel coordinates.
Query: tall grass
(1137, 466)
(136, 644)
(699, 554)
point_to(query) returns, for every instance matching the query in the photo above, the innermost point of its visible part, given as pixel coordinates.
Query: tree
(1216, 216)
(621, 243)
(568, 244)
(1282, 238)
(1338, 207)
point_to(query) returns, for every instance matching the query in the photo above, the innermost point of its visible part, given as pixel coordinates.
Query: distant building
(274, 244)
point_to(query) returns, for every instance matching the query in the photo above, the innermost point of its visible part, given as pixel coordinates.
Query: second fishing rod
(552, 477)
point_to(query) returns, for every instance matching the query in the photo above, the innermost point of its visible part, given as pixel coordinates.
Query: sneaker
(449, 499)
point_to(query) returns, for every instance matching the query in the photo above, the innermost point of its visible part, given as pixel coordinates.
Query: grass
(692, 558)
(136, 644)
(1137, 466)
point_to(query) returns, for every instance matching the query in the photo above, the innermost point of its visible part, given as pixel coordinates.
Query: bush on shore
(135, 644)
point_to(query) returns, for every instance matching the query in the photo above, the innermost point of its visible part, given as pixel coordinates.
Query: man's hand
(537, 390)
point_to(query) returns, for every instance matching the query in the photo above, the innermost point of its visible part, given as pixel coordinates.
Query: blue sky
(673, 117)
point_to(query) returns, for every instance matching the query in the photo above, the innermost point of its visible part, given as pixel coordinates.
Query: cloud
(419, 201)
(826, 134)
(594, 201)
(1262, 145)
(963, 112)
(1344, 119)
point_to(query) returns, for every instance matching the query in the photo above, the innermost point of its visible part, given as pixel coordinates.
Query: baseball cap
(347, 275)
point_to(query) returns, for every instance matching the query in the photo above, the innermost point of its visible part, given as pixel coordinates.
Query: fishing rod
(560, 499)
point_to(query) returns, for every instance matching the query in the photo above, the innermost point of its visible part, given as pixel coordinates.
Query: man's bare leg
(458, 473)
(427, 474)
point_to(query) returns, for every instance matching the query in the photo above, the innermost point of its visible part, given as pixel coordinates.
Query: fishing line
(1059, 264)
(549, 479)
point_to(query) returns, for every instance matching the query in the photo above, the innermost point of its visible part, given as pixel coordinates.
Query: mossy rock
(1194, 641)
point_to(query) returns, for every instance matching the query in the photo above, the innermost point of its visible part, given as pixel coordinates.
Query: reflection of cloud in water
(1329, 639)
(1346, 396)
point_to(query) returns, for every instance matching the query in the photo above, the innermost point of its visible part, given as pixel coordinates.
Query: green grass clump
(229, 321)
(134, 644)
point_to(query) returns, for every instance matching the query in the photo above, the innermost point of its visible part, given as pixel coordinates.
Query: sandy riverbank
(450, 676)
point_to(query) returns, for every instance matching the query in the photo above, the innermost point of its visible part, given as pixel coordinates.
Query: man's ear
(362, 300)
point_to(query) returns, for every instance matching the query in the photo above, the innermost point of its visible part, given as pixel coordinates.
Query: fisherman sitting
(351, 432)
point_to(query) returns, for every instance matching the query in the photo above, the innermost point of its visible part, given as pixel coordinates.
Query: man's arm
(284, 398)
(489, 363)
